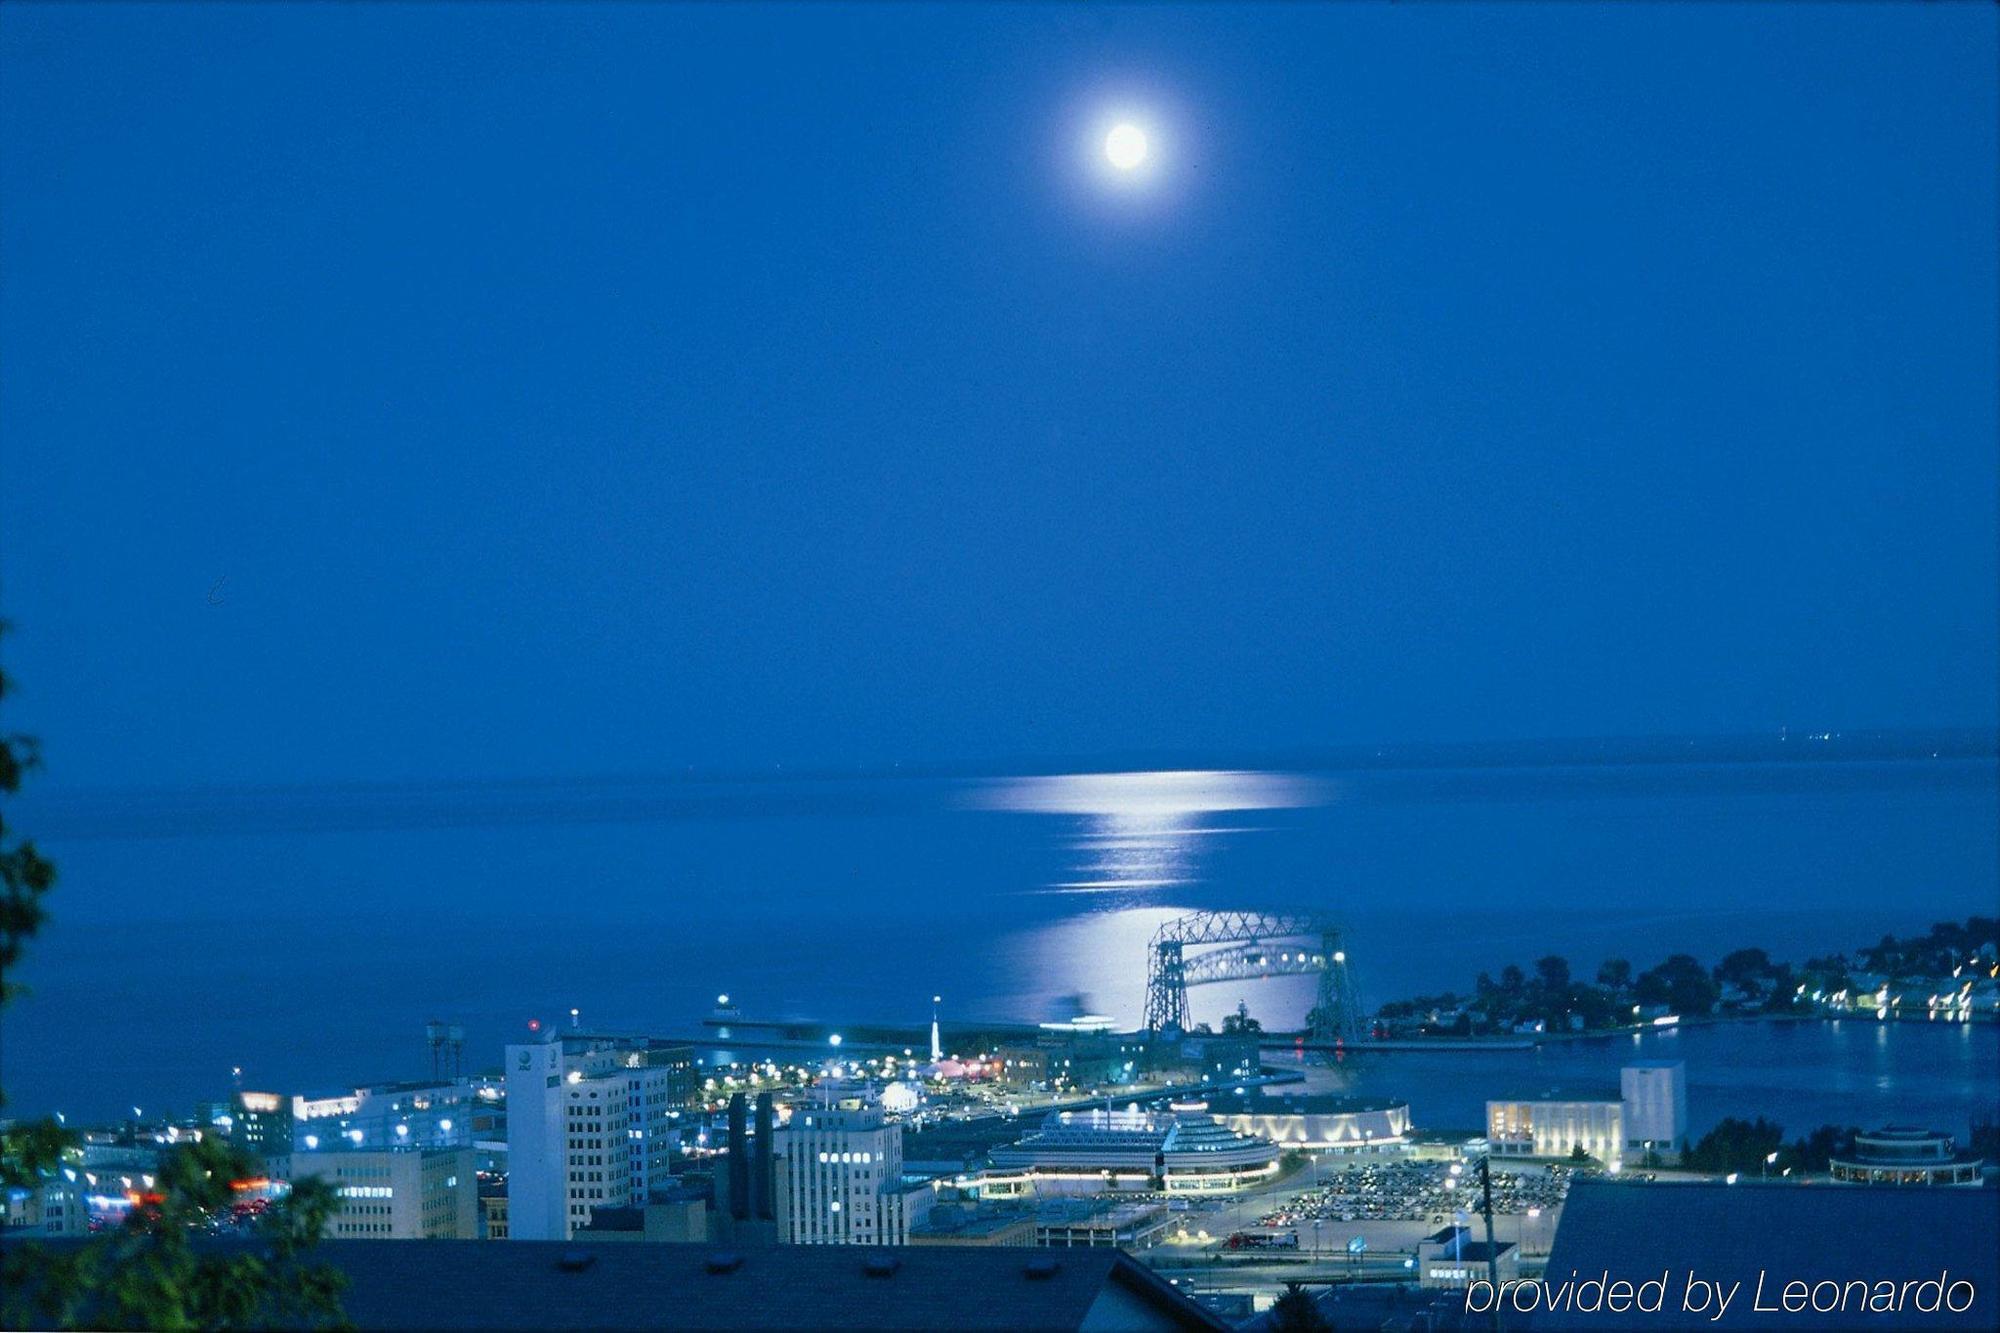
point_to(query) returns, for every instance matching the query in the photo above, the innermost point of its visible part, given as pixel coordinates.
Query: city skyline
(917, 666)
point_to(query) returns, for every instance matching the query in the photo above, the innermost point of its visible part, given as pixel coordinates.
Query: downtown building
(396, 1193)
(258, 1122)
(839, 1178)
(56, 1206)
(382, 1117)
(592, 1123)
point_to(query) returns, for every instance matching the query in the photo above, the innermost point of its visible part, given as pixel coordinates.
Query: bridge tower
(1336, 1014)
(1166, 988)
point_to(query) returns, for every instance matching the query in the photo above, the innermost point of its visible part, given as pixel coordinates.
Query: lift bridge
(1282, 943)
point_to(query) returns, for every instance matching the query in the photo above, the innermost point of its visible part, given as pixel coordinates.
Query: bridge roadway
(885, 1038)
(1291, 1043)
(802, 1036)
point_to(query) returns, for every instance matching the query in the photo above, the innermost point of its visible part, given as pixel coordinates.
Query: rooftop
(1475, 1251)
(1812, 1233)
(1602, 1093)
(615, 1219)
(471, 1284)
(957, 1220)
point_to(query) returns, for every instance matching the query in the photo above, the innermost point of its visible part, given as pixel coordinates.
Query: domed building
(1906, 1155)
(1181, 1152)
(1320, 1123)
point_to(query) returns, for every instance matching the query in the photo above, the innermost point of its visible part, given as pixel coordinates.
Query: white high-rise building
(1655, 1097)
(590, 1125)
(537, 1154)
(840, 1179)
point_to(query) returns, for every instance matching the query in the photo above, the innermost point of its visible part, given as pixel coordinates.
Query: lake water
(1848, 1072)
(307, 937)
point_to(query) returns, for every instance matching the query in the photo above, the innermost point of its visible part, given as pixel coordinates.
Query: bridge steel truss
(1285, 942)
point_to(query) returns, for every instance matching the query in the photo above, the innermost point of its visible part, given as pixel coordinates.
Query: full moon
(1125, 146)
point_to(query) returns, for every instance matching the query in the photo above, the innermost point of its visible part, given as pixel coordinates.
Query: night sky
(447, 391)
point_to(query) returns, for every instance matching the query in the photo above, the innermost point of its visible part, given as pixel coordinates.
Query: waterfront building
(1647, 1114)
(591, 1123)
(1085, 1053)
(839, 1178)
(1181, 1152)
(396, 1194)
(1296, 1120)
(1208, 1058)
(1654, 1093)
(1558, 1126)
(1904, 1155)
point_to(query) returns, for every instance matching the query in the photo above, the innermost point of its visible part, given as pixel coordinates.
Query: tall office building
(590, 1125)
(261, 1122)
(840, 1179)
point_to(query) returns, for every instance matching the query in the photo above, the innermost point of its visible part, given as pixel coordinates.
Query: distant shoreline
(1723, 1020)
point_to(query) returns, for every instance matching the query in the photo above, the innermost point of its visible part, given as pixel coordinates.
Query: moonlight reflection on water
(1139, 829)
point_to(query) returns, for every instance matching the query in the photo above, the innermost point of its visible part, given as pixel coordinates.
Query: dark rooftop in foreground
(468, 1284)
(1808, 1233)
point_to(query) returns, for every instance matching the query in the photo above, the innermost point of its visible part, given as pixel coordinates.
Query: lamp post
(1770, 1158)
(1487, 1207)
